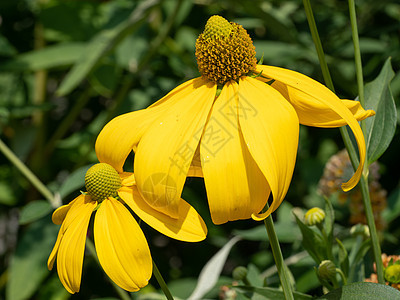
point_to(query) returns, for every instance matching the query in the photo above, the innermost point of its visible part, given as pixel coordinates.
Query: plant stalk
(161, 282)
(278, 257)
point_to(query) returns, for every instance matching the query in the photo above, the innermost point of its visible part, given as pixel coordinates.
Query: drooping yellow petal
(311, 112)
(189, 226)
(165, 152)
(320, 94)
(61, 214)
(122, 134)
(195, 167)
(236, 188)
(72, 245)
(121, 246)
(270, 129)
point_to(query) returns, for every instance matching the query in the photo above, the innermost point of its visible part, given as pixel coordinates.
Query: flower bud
(239, 273)
(327, 270)
(392, 273)
(314, 216)
(360, 229)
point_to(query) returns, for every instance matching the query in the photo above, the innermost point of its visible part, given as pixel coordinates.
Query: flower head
(120, 243)
(242, 139)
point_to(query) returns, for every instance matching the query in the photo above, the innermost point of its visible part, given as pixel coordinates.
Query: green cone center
(102, 181)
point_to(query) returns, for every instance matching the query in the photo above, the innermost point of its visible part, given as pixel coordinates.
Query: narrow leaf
(34, 211)
(271, 293)
(59, 55)
(363, 291)
(28, 264)
(312, 242)
(210, 273)
(101, 45)
(380, 129)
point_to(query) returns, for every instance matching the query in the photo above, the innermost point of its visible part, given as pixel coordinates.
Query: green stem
(121, 292)
(344, 280)
(364, 178)
(345, 135)
(28, 174)
(277, 253)
(161, 282)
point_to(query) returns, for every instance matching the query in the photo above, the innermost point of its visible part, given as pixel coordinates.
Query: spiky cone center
(102, 181)
(224, 51)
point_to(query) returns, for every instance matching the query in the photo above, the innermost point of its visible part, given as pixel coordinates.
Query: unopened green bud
(360, 229)
(239, 273)
(327, 270)
(314, 216)
(392, 273)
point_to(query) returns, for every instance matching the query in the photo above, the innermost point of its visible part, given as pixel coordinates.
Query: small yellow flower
(314, 216)
(237, 126)
(120, 243)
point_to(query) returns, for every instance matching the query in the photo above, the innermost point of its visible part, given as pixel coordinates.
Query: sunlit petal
(65, 213)
(121, 246)
(162, 161)
(270, 129)
(243, 190)
(72, 245)
(321, 94)
(311, 112)
(121, 135)
(189, 226)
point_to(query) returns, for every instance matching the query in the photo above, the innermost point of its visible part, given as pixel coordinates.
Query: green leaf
(380, 129)
(210, 273)
(101, 45)
(34, 211)
(329, 218)
(28, 263)
(271, 293)
(363, 291)
(312, 242)
(75, 181)
(60, 55)
(343, 258)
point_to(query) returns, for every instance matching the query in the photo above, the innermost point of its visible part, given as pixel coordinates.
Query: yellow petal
(195, 166)
(122, 134)
(72, 245)
(270, 129)
(236, 188)
(165, 152)
(321, 95)
(311, 112)
(127, 178)
(121, 246)
(59, 215)
(189, 226)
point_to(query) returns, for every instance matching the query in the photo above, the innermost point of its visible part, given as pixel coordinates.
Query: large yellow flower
(237, 126)
(120, 243)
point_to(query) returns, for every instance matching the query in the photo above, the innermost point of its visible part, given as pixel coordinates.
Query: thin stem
(28, 174)
(121, 292)
(344, 280)
(278, 257)
(346, 138)
(364, 178)
(161, 282)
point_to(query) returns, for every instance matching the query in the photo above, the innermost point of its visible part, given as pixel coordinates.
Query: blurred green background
(68, 67)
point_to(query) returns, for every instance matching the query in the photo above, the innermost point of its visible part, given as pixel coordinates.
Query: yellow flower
(237, 126)
(120, 243)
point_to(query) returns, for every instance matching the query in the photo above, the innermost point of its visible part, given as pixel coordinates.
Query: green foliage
(363, 291)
